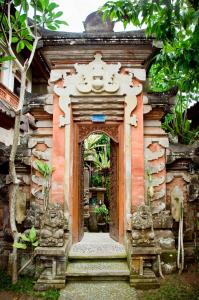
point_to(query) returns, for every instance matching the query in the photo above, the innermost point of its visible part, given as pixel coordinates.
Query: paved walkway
(97, 245)
(84, 259)
(98, 290)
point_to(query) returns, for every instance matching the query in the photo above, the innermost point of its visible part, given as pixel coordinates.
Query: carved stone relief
(85, 130)
(177, 199)
(97, 77)
(142, 227)
(52, 227)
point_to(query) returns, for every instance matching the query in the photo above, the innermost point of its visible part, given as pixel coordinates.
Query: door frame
(118, 129)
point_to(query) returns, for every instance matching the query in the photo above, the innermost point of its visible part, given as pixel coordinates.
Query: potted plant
(102, 216)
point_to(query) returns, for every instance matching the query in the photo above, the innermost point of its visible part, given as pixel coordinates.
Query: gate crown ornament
(97, 76)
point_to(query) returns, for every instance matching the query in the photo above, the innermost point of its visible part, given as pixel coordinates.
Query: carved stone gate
(99, 88)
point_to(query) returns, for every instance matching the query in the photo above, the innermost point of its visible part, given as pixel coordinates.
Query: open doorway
(99, 208)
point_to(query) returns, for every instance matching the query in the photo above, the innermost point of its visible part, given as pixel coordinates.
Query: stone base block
(45, 284)
(53, 262)
(146, 281)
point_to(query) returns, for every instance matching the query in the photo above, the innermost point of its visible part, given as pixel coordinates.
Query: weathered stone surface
(45, 155)
(102, 268)
(94, 23)
(97, 245)
(162, 220)
(142, 227)
(194, 188)
(98, 290)
(177, 199)
(52, 227)
(20, 206)
(169, 268)
(165, 239)
(38, 180)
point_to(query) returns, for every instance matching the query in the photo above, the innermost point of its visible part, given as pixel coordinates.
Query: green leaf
(15, 39)
(20, 46)
(35, 244)
(32, 234)
(6, 58)
(22, 18)
(58, 14)
(52, 6)
(24, 238)
(61, 22)
(28, 45)
(17, 2)
(20, 246)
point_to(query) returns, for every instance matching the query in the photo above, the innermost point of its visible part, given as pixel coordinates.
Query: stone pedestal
(53, 261)
(143, 250)
(142, 276)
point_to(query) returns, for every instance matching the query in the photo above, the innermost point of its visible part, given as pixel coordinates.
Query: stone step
(97, 269)
(98, 290)
(97, 246)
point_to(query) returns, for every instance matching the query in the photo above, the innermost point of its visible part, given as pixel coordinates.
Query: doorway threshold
(97, 245)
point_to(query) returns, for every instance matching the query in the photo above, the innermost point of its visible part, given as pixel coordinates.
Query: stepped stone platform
(96, 269)
(97, 245)
(98, 290)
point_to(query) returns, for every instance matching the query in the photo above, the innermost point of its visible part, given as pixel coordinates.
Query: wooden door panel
(81, 192)
(114, 188)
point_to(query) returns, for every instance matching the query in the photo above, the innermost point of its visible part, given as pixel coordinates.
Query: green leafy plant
(102, 213)
(46, 171)
(178, 125)
(26, 240)
(96, 180)
(25, 287)
(174, 26)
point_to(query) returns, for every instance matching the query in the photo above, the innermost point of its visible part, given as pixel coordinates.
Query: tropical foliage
(21, 22)
(18, 31)
(46, 171)
(102, 213)
(175, 27)
(28, 239)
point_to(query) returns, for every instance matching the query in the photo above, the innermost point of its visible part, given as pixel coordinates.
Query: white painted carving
(97, 77)
(163, 141)
(45, 155)
(92, 79)
(185, 176)
(153, 155)
(156, 169)
(160, 194)
(38, 180)
(34, 141)
(177, 199)
(158, 180)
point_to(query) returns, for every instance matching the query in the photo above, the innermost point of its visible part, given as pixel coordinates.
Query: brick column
(58, 155)
(137, 157)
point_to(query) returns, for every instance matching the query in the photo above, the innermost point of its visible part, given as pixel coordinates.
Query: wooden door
(114, 189)
(81, 192)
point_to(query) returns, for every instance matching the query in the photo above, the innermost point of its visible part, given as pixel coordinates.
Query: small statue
(33, 217)
(53, 226)
(142, 227)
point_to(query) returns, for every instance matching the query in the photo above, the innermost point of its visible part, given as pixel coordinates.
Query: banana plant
(46, 171)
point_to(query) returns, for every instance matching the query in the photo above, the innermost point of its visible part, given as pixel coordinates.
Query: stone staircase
(97, 257)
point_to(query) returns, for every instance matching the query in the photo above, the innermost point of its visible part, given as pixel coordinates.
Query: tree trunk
(13, 176)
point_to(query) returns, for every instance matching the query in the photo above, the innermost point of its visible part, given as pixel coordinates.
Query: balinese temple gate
(90, 83)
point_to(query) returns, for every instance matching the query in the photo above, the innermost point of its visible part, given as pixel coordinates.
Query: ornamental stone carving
(53, 226)
(142, 227)
(96, 78)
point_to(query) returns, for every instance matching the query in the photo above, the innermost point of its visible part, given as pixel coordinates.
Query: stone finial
(94, 23)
